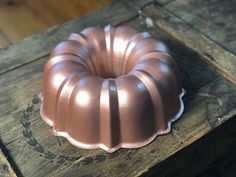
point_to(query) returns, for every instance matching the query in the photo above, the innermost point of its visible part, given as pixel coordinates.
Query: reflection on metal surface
(83, 98)
(111, 88)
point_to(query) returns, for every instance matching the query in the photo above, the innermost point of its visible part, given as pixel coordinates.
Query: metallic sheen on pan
(111, 88)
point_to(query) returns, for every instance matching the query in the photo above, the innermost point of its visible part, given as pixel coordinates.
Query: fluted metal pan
(111, 88)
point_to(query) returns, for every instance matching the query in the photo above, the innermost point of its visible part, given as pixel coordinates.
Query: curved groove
(76, 48)
(72, 47)
(132, 43)
(114, 113)
(104, 112)
(121, 145)
(92, 54)
(79, 59)
(78, 37)
(168, 61)
(112, 36)
(63, 57)
(154, 89)
(65, 81)
(60, 103)
(156, 51)
(109, 37)
(86, 47)
(87, 42)
(137, 53)
(134, 49)
(48, 120)
(109, 114)
(69, 102)
(96, 36)
(108, 47)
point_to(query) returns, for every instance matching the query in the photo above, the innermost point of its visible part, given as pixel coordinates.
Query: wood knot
(5, 168)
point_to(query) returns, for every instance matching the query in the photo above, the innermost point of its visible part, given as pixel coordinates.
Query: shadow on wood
(214, 155)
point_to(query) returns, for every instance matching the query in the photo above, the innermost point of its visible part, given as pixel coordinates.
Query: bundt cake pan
(111, 88)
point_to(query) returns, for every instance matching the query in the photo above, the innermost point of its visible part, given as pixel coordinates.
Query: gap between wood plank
(38, 58)
(196, 29)
(218, 67)
(92, 153)
(23, 64)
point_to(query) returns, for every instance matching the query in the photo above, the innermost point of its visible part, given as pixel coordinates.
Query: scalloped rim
(121, 145)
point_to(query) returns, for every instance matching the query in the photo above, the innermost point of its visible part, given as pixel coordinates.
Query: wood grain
(212, 156)
(215, 19)
(209, 102)
(42, 43)
(26, 136)
(211, 52)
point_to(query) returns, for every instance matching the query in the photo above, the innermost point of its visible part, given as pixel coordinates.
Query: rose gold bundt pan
(111, 88)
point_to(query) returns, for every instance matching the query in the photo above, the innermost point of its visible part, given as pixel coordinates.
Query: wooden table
(201, 36)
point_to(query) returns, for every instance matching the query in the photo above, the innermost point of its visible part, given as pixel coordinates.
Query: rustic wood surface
(215, 19)
(195, 23)
(214, 155)
(42, 43)
(34, 151)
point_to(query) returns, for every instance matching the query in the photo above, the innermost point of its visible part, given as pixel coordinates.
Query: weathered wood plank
(5, 167)
(214, 18)
(209, 102)
(211, 156)
(209, 50)
(39, 45)
(142, 3)
(163, 2)
(145, 158)
(204, 111)
(26, 136)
